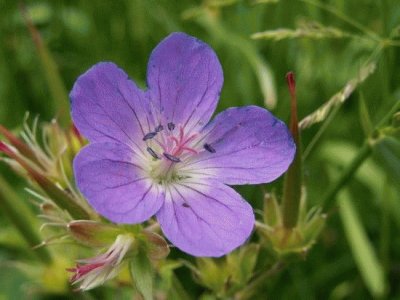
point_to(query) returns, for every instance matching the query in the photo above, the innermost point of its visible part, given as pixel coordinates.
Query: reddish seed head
(291, 83)
(293, 106)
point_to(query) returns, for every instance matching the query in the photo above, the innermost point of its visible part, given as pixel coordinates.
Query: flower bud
(95, 271)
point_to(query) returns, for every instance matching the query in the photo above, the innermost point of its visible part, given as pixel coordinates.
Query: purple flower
(153, 152)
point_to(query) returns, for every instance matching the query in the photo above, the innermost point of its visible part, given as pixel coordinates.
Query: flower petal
(185, 79)
(108, 107)
(115, 185)
(251, 146)
(205, 217)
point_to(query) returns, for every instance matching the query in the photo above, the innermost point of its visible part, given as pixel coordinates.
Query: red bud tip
(5, 149)
(293, 104)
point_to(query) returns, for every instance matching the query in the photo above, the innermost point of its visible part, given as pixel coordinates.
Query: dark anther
(159, 128)
(149, 136)
(209, 148)
(184, 204)
(171, 157)
(152, 153)
(171, 126)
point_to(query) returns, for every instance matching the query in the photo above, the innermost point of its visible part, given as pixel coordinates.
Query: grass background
(79, 34)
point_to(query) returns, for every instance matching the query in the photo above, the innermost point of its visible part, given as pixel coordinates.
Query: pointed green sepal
(142, 274)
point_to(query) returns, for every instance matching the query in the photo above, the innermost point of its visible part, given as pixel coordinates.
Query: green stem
(22, 218)
(351, 169)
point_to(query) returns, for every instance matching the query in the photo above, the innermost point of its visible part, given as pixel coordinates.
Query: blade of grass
(361, 247)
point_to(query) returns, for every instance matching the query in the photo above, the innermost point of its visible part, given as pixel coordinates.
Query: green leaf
(142, 274)
(363, 252)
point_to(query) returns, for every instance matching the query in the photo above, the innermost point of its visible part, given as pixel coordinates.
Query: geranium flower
(154, 151)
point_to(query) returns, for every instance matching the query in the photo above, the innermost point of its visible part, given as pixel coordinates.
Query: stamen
(152, 153)
(209, 148)
(149, 136)
(171, 157)
(190, 138)
(159, 128)
(171, 126)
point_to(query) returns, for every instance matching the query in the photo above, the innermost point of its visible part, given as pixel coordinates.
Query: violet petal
(205, 217)
(107, 106)
(115, 185)
(251, 146)
(184, 78)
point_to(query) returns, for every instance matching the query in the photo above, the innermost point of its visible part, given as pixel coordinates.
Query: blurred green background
(78, 34)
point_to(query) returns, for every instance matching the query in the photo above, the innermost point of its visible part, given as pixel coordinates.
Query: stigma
(171, 145)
